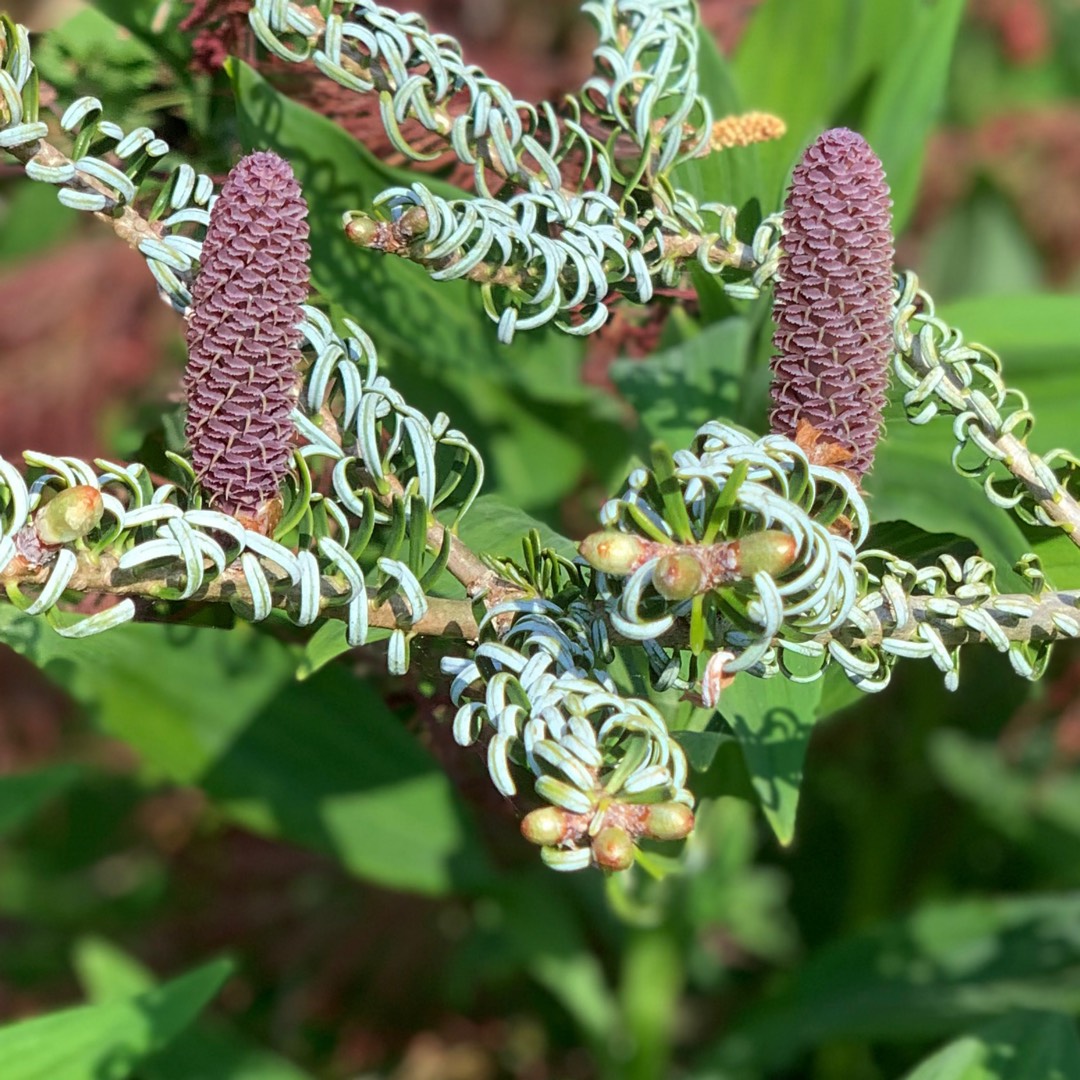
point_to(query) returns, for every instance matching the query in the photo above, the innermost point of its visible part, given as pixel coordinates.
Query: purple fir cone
(243, 341)
(833, 303)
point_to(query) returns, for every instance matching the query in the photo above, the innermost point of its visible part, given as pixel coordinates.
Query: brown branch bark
(103, 577)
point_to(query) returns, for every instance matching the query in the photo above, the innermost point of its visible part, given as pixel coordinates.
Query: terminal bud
(613, 552)
(771, 550)
(669, 821)
(71, 514)
(546, 826)
(678, 576)
(613, 849)
(361, 229)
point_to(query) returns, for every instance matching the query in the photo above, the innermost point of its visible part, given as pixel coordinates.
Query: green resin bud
(613, 552)
(770, 550)
(72, 514)
(613, 849)
(412, 223)
(361, 229)
(678, 576)
(669, 821)
(546, 826)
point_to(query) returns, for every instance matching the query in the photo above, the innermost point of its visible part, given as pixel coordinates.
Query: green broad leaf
(729, 888)
(542, 931)
(92, 1042)
(1032, 805)
(209, 1050)
(1020, 1046)
(908, 95)
(773, 720)
(793, 61)
(981, 249)
(107, 973)
(91, 49)
(494, 527)
(33, 220)
(878, 68)
(322, 763)
(949, 963)
(156, 26)
(838, 692)
(327, 644)
(676, 391)
(23, 794)
(650, 988)
(701, 747)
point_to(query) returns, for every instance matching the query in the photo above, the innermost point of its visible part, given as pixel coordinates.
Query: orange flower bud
(546, 826)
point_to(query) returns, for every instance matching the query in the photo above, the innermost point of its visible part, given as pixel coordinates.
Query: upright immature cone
(243, 343)
(834, 301)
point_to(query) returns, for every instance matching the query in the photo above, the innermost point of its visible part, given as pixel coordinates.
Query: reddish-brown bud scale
(243, 337)
(834, 298)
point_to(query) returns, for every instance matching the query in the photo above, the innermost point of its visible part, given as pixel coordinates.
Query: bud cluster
(681, 571)
(613, 830)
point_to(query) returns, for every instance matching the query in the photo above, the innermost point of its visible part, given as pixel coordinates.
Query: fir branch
(127, 222)
(945, 375)
(102, 576)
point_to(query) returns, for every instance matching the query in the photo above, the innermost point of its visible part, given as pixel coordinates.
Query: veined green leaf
(1020, 1046)
(23, 794)
(773, 720)
(947, 964)
(210, 1050)
(322, 763)
(89, 1042)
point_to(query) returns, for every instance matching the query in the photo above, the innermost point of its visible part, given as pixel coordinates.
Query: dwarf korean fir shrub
(398, 390)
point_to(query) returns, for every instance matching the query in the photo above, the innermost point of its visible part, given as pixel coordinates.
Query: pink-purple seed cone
(243, 340)
(834, 298)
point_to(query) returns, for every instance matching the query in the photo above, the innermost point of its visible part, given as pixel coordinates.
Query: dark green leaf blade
(908, 96)
(676, 391)
(89, 1042)
(947, 964)
(495, 527)
(23, 794)
(323, 763)
(773, 720)
(209, 1050)
(1020, 1046)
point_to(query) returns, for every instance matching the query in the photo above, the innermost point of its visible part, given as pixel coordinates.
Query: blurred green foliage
(918, 917)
